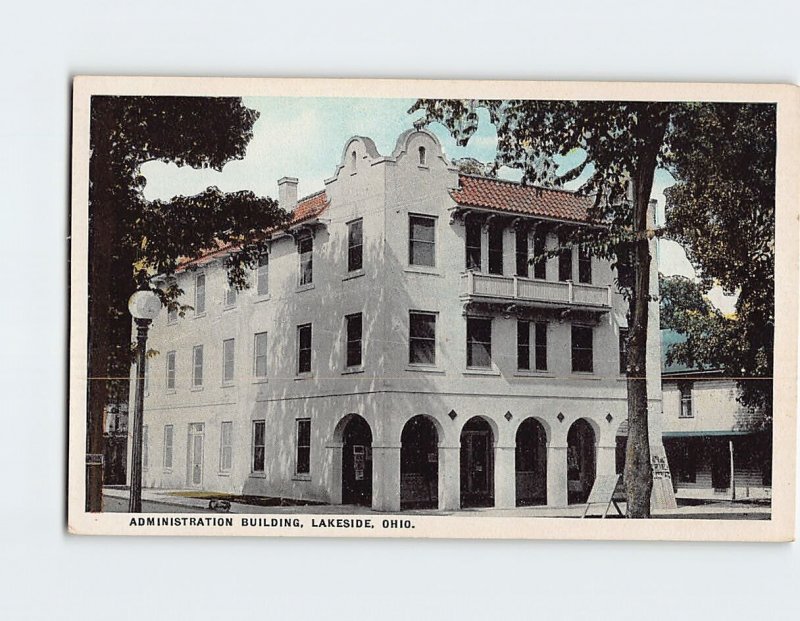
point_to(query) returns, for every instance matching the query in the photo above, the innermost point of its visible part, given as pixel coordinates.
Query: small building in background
(716, 447)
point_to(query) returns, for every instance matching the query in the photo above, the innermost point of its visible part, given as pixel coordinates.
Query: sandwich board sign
(605, 492)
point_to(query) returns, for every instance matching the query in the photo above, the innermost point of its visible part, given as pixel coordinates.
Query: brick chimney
(287, 193)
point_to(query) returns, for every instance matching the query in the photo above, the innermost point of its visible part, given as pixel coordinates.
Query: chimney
(287, 193)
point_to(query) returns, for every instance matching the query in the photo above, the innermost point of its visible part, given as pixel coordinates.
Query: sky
(304, 137)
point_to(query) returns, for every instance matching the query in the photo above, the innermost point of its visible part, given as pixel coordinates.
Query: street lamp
(143, 307)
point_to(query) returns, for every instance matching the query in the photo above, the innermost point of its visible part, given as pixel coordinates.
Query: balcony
(492, 289)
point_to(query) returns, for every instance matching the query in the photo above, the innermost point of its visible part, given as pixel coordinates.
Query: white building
(717, 447)
(396, 349)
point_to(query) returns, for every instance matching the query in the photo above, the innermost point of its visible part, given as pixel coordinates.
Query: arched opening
(477, 464)
(580, 461)
(621, 447)
(357, 462)
(422, 161)
(531, 463)
(419, 464)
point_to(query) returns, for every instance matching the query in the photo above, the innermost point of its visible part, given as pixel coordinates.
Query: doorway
(357, 463)
(580, 461)
(195, 461)
(477, 464)
(419, 465)
(531, 463)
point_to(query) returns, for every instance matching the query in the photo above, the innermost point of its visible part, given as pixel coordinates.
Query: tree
(722, 210)
(131, 239)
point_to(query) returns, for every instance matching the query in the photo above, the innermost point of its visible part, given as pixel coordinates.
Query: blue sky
(304, 138)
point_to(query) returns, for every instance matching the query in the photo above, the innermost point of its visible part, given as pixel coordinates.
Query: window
(541, 346)
(262, 275)
(168, 438)
(172, 314)
(522, 251)
(355, 245)
(199, 294)
(564, 262)
(304, 348)
(305, 249)
(582, 349)
(473, 234)
(171, 370)
(496, 249)
(623, 350)
(303, 439)
(422, 338)
(230, 296)
(145, 448)
(584, 265)
(258, 446)
(422, 241)
(685, 389)
(197, 366)
(260, 354)
(422, 156)
(228, 360)
(479, 342)
(226, 446)
(353, 340)
(523, 345)
(539, 249)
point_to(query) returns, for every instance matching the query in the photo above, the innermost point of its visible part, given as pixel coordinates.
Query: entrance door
(357, 463)
(419, 465)
(477, 464)
(580, 461)
(196, 433)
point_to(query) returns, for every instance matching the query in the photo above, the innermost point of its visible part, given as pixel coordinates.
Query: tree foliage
(722, 210)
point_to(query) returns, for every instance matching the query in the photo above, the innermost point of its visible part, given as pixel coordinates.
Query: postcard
(454, 309)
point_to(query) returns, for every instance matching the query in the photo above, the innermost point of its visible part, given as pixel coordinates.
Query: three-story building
(398, 347)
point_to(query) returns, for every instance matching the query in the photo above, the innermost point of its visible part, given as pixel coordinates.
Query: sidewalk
(722, 510)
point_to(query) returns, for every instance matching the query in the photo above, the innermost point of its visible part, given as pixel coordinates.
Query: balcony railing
(490, 287)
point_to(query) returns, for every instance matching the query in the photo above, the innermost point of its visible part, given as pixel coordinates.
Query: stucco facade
(401, 428)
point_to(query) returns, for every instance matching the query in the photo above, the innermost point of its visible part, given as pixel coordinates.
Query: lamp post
(144, 307)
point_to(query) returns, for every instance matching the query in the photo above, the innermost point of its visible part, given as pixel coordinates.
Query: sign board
(94, 459)
(604, 493)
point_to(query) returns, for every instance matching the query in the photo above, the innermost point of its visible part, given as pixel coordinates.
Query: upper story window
(422, 338)
(479, 342)
(172, 314)
(304, 348)
(171, 362)
(228, 360)
(582, 349)
(197, 366)
(422, 241)
(260, 355)
(539, 249)
(685, 389)
(496, 249)
(584, 265)
(564, 262)
(353, 160)
(473, 235)
(303, 439)
(541, 346)
(422, 156)
(230, 296)
(353, 340)
(305, 249)
(199, 294)
(525, 347)
(623, 350)
(262, 275)
(521, 235)
(355, 245)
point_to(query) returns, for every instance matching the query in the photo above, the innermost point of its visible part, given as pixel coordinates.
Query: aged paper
(426, 344)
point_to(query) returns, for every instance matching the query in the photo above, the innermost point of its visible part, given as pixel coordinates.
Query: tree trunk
(638, 470)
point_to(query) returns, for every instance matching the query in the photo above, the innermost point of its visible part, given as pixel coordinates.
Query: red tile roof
(307, 208)
(490, 193)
